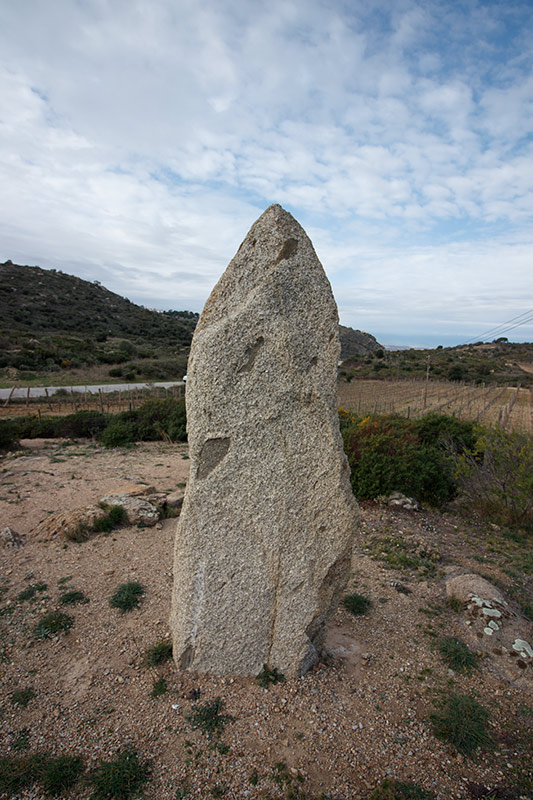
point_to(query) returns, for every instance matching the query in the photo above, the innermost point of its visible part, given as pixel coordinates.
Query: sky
(140, 139)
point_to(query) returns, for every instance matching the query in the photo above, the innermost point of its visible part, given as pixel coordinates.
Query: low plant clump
(391, 789)
(209, 718)
(127, 596)
(72, 598)
(51, 624)
(159, 687)
(55, 774)
(120, 778)
(21, 697)
(158, 654)
(457, 655)
(268, 676)
(463, 722)
(357, 604)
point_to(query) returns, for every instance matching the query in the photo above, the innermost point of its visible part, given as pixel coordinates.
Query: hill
(37, 300)
(354, 342)
(499, 362)
(56, 323)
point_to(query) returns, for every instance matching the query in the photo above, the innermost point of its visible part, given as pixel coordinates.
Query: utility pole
(428, 365)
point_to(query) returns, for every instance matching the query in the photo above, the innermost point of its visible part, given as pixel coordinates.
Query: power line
(503, 327)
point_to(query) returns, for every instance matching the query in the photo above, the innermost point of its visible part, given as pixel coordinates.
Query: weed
(73, 598)
(60, 773)
(121, 778)
(457, 655)
(159, 687)
(21, 697)
(462, 721)
(114, 516)
(63, 581)
(54, 774)
(21, 740)
(209, 717)
(357, 604)
(51, 624)
(127, 596)
(158, 654)
(392, 789)
(268, 676)
(254, 777)
(31, 590)
(455, 604)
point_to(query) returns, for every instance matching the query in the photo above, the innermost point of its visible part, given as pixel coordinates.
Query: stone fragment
(522, 647)
(11, 539)
(265, 534)
(139, 510)
(463, 586)
(67, 523)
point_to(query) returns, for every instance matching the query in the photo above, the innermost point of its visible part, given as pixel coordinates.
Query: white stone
(522, 645)
(488, 631)
(265, 535)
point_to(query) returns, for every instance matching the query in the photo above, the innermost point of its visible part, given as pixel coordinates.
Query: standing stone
(265, 535)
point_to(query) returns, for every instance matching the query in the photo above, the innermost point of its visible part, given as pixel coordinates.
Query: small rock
(11, 539)
(488, 631)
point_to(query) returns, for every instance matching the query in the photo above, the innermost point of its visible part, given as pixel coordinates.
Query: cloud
(139, 141)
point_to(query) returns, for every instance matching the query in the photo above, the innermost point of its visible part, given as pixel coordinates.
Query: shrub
(496, 477)
(60, 773)
(51, 624)
(121, 778)
(21, 697)
(386, 454)
(268, 676)
(441, 429)
(8, 434)
(357, 604)
(457, 655)
(462, 721)
(391, 789)
(209, 718)
(119, 432)
(73, 598)
(55, 774)
(114, 516)
(127, 596)
(156, 419)
(158, 654)
(159, 687)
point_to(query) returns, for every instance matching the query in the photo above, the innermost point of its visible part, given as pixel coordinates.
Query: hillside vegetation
(59, 329)
(53, 324)
(499, 362)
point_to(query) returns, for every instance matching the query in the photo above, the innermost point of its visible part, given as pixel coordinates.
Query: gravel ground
(361, 716)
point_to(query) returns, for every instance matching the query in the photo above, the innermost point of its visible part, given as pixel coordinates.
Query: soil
(362, 715)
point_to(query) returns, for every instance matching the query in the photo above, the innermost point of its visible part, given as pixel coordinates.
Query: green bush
(158, 654)
(496, 477)
(52, 623)
(462, 721)
(391, 789)
(121, 778)
(457, 655)
(127, 596)
(8, 434)
(114, 516)
(119, 432)
(357, 604)
(387, 453)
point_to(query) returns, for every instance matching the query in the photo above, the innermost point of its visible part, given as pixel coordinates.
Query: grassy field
(507, 406)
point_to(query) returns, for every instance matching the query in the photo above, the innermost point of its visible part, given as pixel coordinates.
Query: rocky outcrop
(355, 343)
(265, 536)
